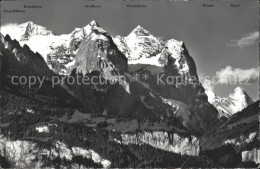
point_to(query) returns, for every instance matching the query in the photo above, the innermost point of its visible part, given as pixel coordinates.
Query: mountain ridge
(101, 47)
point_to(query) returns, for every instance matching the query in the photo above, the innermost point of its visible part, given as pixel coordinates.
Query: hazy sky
(223, 40)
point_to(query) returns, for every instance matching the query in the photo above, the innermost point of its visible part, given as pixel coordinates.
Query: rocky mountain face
(140, 43)
(103, 55)
(24, 154)
(122, 119)
(163, 140)
(97, 52)
(232, 104)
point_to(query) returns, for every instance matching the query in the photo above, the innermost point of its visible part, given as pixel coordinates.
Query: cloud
(246, 40)
(230, 75)
(208, 85)
(207, 82)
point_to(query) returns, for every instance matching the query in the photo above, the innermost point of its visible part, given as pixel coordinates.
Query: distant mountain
(27, 30)
(228, 106)
(140, 43)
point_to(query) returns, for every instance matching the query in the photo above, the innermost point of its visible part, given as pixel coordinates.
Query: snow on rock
(174, 47)
(211, 96)
(80, 33)
(138, 45)
(122, 46)
(176, 56)
(142, 43)
(150, 61)
(241, 99)
(141, 47)
(165, 141)
(228, 106)
(97, 52)
(57, 50)
(25, 31)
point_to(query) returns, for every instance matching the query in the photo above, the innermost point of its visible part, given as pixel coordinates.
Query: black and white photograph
(129, 84)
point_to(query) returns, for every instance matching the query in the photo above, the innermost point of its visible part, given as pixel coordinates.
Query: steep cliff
(27, 154)
(97, 52)
(252, 155)
(163, 140)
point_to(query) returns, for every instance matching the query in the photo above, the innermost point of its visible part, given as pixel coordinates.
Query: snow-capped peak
(94, 23)
(80, 33)
(25, 31)
(240, 94)
(140, 43)
(26, 24)
(139, 27)
(228, 106)
(29, 29)
(91, 25)
(139, 31)
(238, 91)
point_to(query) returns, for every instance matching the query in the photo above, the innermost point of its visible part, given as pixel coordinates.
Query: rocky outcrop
(252, 155)
(23, 154)
(18, 152)
(97, 52)
(164, 140)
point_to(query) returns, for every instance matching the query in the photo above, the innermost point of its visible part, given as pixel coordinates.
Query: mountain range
(119, 123)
